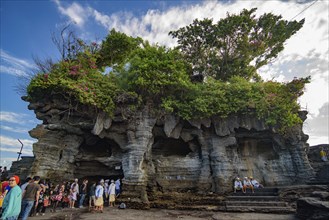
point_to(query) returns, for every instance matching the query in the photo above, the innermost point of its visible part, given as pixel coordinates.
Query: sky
(27, 28)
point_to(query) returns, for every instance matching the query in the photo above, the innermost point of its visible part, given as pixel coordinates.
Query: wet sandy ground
(158, 214)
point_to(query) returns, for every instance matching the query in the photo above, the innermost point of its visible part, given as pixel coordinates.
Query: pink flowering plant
(80, 78)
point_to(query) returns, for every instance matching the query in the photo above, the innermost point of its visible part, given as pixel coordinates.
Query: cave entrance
(99, 159)
(170, 147)
(176, 164)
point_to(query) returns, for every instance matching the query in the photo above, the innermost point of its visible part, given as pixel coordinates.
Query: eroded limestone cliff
(164, 154)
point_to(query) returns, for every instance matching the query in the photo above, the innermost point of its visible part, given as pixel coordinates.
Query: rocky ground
(133, 214)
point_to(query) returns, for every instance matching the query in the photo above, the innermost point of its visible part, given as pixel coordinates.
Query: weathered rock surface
(164, 154)
(22, 167)
(312, 209)
(291, 194)
(320, 167)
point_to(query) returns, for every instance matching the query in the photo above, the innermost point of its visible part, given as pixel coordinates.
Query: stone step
(318, 182)
(189, 201)
(264, 209)
(256, 203)
(201, 207)
(252, 198)
(256, 193)
(267, 189)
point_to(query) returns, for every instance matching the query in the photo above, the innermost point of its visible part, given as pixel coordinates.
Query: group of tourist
(20, 200)
(247, 183)
(104, 191)
(34, 196)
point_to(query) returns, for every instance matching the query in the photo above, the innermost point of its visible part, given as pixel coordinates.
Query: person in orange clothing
(247, 184)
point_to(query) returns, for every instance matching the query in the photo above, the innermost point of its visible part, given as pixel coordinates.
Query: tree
(68, 45)
(116, 48)
(237, 45)
(154, 72)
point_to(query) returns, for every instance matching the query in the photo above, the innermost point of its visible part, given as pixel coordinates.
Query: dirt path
(158, 214)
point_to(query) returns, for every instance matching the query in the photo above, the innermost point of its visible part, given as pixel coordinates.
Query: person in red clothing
(12, 202)
(4, 189)
(4, 186)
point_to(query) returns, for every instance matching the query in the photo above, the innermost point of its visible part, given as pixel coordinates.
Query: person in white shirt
(255, 183)
(74, 192)
(237, 185)
(27, 181)
(99, 203)
(111, 192)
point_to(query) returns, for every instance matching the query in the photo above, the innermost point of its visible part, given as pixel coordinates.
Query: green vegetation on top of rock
(131, 71)
(235, 46)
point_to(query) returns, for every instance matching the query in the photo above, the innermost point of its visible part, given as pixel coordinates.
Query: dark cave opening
(99, 147)
(170, 147)
(99, 158)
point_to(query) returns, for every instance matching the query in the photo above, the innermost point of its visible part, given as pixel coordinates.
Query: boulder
(312, 209)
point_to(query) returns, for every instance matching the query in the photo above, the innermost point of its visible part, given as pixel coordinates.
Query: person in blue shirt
(117, 187)
(13, 201)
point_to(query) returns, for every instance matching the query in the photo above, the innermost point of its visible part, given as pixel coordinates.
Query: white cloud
(9, 144)
(7, 161)
(102, 19)
(18, 62)
(306, 53)
(14, 66)
(13, 117)
(316, 139)
(12, 71)
(75, 12)
(317, 93)
(317, 127)
(155, 24)
(14, 129)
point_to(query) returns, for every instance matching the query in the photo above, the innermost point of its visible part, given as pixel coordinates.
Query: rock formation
(320, 167)
(22, 168)
(313, 208)
(164, 153)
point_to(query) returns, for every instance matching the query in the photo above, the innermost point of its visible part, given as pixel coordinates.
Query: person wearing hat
(238, 185)
(255, 183)
(74, 192)
(13, 201)
(99, 202)
(247, 184)
(111, 191)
